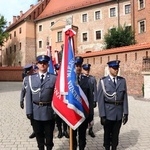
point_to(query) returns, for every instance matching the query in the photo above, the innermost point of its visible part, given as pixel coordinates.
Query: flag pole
(71, 139)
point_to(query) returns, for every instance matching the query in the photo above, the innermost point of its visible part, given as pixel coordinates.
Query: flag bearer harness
(33, 91)
(109, 96)
(25, 86)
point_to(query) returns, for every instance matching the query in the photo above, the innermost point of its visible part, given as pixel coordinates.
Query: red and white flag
(48, 53)
(69, 101)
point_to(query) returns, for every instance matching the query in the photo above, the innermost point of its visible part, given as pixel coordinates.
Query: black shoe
(91, 133)
(32, 135)
(114, 148)
(48, 148)
(65, 133)
(81, 148)
(41, 148)
(60, 135)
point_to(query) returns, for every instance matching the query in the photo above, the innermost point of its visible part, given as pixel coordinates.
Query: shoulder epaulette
(103, 78)
(53, 74)
(119, 77)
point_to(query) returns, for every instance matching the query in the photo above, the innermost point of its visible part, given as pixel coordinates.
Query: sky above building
(10, 8)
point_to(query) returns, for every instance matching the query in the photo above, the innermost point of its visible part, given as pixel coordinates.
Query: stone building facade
(90, 21)
(20, 47)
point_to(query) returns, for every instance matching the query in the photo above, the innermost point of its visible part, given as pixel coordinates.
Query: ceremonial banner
(69, 101)
(48, 53)
(56, 59)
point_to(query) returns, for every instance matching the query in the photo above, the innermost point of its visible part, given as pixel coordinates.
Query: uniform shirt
(112, 78)
(23, 90)
(40, 73)
(112, 111)
(85, 86)
(40, 92)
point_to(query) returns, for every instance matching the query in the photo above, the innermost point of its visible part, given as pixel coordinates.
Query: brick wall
(131, 58)
(11, 73)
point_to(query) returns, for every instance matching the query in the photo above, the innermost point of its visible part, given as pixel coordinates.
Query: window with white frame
(14, 33)
(112, 12)
(20, 46)
(98, 34)
(84, 18)
(20, 30)
(40, 44)
(84, 37)
(14, 48)
(59, 36)
(40, 27)
(141, 4)
(97, 15)
(6, 51)
(127, 9)
(142, 26)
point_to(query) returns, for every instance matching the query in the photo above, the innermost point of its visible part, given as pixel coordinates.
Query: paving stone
(15, 128)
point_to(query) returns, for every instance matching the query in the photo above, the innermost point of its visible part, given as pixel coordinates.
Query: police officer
(28, 70)
(38, 103)
(113, 104)
(93, 85)
(59, 121)
(85, 86)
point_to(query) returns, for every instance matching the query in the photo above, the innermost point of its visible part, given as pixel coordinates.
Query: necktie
(114, 81)
(42, 78)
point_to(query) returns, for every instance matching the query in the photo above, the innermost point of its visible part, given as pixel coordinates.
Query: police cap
(44, 58)
(86, 66)
(27, 67)
(114, 63)
(57, 66)
(79, 60)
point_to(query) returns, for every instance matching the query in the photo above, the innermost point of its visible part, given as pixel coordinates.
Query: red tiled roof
(56, 7)
(25, 15)
(124, 49)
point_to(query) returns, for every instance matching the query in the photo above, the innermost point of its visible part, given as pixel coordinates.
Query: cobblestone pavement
(15, 128)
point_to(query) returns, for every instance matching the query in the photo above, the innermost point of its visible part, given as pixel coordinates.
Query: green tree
(3, 35)
(118, 37)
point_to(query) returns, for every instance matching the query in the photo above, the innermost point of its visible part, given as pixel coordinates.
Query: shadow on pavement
(128, 139)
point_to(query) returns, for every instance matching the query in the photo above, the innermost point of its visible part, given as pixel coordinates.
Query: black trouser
(60, 122)
(81, 136)
(44, 133)
(111, 133)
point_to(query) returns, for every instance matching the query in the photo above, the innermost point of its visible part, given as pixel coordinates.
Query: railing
(146, 64)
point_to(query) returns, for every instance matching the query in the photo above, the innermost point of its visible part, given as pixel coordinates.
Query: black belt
(43, 103)
(115, 102)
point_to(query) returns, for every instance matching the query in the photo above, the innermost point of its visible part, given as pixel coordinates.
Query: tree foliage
(3, 35)
(118, 37)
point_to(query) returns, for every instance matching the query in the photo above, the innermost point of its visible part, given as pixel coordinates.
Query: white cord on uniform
(109, 96)
(33, 91)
